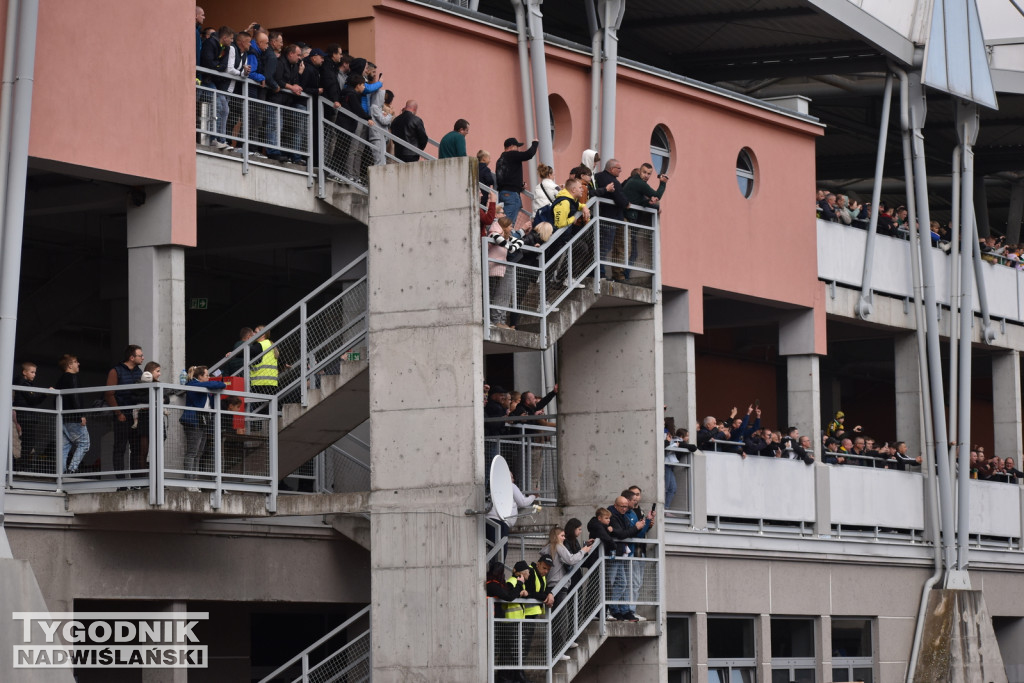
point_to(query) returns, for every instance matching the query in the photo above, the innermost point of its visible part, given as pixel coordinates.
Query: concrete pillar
(803, 391)
(610, 432)
(426, 422)
(156, 274)
(167, 675)
(699, 653)
(909, 416)
(763, 647)
(1006, 404)
(680, 361)
(823, 645)
(156, 306)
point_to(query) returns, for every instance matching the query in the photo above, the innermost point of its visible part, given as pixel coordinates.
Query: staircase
(557, 283)
(323, 380)
(348, 660)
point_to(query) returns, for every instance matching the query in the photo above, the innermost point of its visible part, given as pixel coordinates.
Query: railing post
(490, 643)
(303, 355)
(155, 413)
(245, 126)
(321, 191)
(543, 299)
(596, 227)
(245, 365)
(487, 291)
(157, 469)
(309, 143)
(272, 453)
(305, 668)
(59, 442)
(218, 462)
(599, 566)
(656, 256)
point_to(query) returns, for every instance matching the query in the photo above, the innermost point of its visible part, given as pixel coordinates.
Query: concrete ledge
(180, 501)
(631, 629)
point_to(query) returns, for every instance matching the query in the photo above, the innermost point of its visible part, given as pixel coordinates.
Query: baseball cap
(317, 52)
(547, 559)
(512, 142)
(520, 566)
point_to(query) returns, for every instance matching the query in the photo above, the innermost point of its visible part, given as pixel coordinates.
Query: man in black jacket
(608, 187)
(76, 435)
(268, 67)
(289, 72)
(496, 407)
(509, 175)
(408, 126)
(214, 55)
(32, 424)
(618, 569)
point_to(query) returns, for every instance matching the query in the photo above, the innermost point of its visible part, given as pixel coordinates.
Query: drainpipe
(22, 19)
(524, 82)
(930, 461)
(864, 306)
(535, 22)
(595, 73)
(611, 15)
(968, 120)
(954, 308)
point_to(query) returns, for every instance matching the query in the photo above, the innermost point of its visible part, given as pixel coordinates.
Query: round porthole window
(745, 172)
(661, 149)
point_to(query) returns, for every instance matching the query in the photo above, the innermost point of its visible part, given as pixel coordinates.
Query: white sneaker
(192, 489)
(572, 645)
(564, 658)
(221, 145)
(639, 618)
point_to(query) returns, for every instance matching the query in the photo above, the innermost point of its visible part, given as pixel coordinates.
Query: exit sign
(200, 304)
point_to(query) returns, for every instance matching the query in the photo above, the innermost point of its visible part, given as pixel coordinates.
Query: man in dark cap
(509, 175)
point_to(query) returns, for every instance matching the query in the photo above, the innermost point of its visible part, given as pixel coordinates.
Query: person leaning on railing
(352, 102)
(215, 56)
(503, 592)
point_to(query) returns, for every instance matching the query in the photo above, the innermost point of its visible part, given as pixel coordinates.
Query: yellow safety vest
(513, 610)
(540, 584)
(264, 372)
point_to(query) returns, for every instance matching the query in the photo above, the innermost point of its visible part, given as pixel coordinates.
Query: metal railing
(534, 285)
(582, 595)
(258, 128)
(531, 451)
(351, 662)
(679, 466)
(145, 442)
(312, 338)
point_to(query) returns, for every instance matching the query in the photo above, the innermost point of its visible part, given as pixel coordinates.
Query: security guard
(263, 373)
(537, 588)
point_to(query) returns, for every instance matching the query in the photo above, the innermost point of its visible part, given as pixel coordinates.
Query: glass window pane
(678, 633)
(718, 675)
(780, 676)
(841, 675)
(661, 150)
(742, 676)
(851, 638)
(792, 638)
(862, 674)
(678, 676)
(803, 676)
(745, 172)
(730, 638)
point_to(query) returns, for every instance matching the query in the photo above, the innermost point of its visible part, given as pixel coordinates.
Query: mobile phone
(590, 542)
(653, 505)
(757, 403)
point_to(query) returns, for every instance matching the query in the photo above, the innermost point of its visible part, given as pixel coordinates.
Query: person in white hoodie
(521, 502)
(546, 189)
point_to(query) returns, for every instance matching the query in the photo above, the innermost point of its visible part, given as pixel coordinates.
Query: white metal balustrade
(531, 451)
(261, 125)
(146, 442)
(313, 337)
(348, 659)
(538, 279)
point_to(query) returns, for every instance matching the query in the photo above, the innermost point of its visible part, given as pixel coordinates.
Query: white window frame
(681, 663)
(792, 664)
(664, 152)
(851, 663)
(740, 663)
(743, 173)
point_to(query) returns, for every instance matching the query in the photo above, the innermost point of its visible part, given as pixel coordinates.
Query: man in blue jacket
(618, 567)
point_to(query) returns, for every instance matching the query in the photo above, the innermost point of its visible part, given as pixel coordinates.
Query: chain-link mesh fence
(531, 452)
(347, 150)
(342, 656)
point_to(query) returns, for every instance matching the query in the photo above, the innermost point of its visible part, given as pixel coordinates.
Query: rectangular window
(793, 650)
(677, 633)
(731, 650)
(852, 655)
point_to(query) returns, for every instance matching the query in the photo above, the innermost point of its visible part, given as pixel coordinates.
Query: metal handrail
(304, 655)
(242, 93)
(300, 308)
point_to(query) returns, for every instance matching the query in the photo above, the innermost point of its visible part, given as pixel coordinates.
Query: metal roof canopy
(952, 64)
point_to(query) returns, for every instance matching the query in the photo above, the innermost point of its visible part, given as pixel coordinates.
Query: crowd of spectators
(894, 222)
(536, 585)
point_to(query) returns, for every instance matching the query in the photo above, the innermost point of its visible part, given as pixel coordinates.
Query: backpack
(500, 171)
(546, 214)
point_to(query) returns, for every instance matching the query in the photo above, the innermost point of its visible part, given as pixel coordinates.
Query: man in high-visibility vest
(263, 373)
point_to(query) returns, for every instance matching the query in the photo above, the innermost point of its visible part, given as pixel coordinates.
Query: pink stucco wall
(114, 91)
(712, 237)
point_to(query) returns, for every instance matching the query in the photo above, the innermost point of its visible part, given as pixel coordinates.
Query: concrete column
(699, 653)
(156, 305)
(426, 422)
(680, 361)
(763, 647)
(610, 432)
(156, 274)
(1006, 404)
(167, 675)
(909, 426)
(823, 643)
(804, 396)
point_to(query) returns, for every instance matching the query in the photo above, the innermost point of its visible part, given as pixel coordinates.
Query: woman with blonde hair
(564, 560)
(546, 189)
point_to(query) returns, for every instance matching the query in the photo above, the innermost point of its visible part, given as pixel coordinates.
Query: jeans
(222, 117)
(606, 234)
(619, 583)
(126, 437)
(636, 576)
(195, 440)
(513, 203)
(294, 131)
(501, 295)
(670, 485)
(75, 434)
